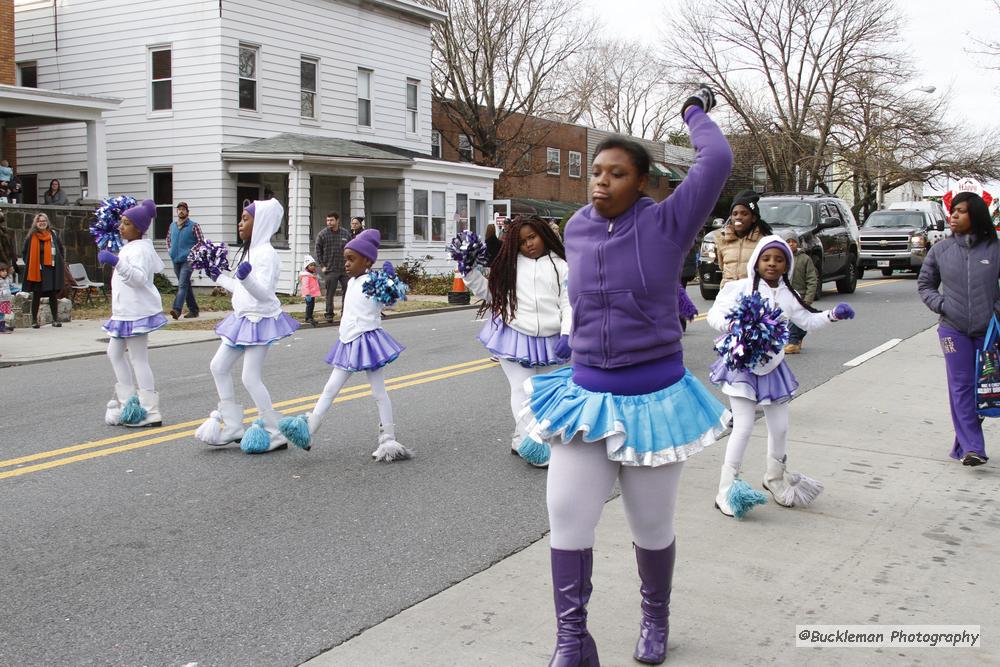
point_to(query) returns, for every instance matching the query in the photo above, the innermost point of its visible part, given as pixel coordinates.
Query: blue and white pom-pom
(384, 286)
(107, 219)
(132, 411)
(468, 250)
(207, 254)
(256, 439)
(534, 452)
(758, 331)
(685, 306)
(742, 497)
(296, 431)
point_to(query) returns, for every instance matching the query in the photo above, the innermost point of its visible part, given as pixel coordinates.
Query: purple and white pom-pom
(758, 332)
(685, 306)
(107, 219)
(468, 250)
(384, 286)
(207, 254)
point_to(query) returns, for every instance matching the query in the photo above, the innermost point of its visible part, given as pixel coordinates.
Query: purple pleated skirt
(241, 331)
(510, 344)
(778, 386)
(128, 328)
(371, 350)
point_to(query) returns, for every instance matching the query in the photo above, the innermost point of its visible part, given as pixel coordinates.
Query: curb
(320, 325)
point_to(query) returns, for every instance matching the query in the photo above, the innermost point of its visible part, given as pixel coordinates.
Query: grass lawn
(100, 308)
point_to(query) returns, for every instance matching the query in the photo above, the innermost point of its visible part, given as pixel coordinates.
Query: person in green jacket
(805, 280)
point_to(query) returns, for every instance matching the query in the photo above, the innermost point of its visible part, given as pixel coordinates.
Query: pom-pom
(742, 497)
(296, 429)
(685, 306)
(107, 219)
(758, 331)
(384, 286)
(256, 439)
(535, 453)
(389, 450)
(132, 412)
(206, 255)
(468, 250)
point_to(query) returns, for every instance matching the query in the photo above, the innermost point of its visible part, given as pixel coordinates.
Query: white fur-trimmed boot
(113, 413)
(790, 489)
(149, 401)
(388, 449)
(223, 426)
(736, 497)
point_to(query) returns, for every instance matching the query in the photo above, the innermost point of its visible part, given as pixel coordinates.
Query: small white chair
(83, 282)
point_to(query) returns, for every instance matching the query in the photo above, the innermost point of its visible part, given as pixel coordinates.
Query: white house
(323, 104)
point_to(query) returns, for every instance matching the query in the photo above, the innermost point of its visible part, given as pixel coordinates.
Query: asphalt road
(151, 549)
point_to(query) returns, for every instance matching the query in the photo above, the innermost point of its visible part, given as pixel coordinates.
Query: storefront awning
(672, 172)
(543, 208)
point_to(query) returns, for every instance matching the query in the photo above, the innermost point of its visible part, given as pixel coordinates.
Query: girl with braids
(528, 303)
(738, 239)
(769, 385)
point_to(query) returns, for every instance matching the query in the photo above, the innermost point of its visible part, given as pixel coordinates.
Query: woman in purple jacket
(627, 409)
(958, 281)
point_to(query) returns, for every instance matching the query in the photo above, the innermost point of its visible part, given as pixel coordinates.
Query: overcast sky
(937, 33)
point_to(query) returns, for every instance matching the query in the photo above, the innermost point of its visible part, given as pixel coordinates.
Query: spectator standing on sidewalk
(357, 225)
(329, 254)
(55, 195)
(805, 280)
(958, 281)
(43, 267)
(737, 240)
(183, 234)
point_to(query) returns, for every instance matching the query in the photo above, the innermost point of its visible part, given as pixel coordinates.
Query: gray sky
(937, 33)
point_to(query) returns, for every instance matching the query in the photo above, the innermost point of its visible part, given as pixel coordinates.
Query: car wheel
(849, 283)
(708, 293)
(886, 272)
(861, 272)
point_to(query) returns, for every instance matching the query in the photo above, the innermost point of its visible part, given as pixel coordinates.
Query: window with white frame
(161, 78)
(27, 74)
(421, 215)
(435, 144)
(84, 184)
(382, 210)
(575, 164)
(552, 161)
(759, 178)
(364, 97)
(461, 212)
(437, 216)
(308, 77)
(465, 153)
(412, 97)
(248, 77)
(163, 197)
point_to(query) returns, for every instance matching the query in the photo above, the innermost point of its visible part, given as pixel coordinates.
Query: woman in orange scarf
(43, 263)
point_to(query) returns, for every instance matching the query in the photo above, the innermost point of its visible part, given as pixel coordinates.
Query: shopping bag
(988, 372)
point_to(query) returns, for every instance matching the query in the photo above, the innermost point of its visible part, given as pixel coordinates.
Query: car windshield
(895, 219)
(786, 213)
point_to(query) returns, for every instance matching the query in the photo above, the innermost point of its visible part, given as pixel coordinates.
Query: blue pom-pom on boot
(256, 439)
(296, 429)
(535, 453)
(132, 411)
(736, 497)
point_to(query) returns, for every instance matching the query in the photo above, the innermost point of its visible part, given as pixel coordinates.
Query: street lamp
(879, 195)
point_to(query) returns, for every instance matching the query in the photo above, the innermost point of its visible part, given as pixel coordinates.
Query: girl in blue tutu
(257, 321)
(626, 409)
(769, 384)
(136, 310)
(363, 346)
(527, 300)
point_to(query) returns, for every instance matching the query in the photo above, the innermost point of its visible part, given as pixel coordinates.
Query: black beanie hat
(748, 198)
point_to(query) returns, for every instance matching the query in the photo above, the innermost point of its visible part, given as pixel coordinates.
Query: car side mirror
(828, 223)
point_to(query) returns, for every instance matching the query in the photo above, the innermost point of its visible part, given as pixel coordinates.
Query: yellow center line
(356, 391)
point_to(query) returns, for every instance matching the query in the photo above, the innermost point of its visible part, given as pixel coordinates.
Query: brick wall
(8, 74)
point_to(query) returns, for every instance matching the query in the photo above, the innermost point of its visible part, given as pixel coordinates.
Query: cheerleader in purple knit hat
(257, 322)
(363, 346)
(136, 310)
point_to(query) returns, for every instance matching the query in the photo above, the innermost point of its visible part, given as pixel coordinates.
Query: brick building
(8, 74)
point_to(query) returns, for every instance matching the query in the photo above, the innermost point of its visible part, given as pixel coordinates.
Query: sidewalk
(81, 338)
(902, 535)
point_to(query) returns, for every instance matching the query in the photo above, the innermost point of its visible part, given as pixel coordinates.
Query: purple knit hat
(251, 209)
(366, 243)
(141, 215)
(780, 245)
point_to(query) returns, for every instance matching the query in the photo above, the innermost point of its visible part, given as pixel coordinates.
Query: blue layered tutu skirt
(776, 386)
(530, 351)
(371, 350)
(664, 426)
(242, 331)
(128, 328)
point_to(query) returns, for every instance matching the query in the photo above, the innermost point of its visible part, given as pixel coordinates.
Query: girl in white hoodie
(136, 310)
(769, 385)
(530, 316)
(257, 322)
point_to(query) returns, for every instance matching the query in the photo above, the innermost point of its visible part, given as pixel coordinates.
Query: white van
(932, 208)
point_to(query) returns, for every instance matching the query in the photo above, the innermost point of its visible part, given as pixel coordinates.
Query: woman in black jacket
(43, 255)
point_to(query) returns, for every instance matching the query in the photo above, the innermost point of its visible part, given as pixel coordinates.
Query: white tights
(338, 378)
(253, 366)
(744, 414)
(137, 359)
(579, 482)
(516, 376)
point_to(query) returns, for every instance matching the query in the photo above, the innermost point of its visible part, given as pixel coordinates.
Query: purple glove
(703, 97)
(843, 312)
(562, 348)
(213, 272)
(389, 268)
(243, 270)
(107, 257)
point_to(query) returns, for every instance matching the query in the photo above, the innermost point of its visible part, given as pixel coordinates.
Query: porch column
(97, 159)
(299, 222)
(358, 198)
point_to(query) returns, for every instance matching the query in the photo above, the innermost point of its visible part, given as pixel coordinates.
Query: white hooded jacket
(133, 295)
(253, 297)
(781, 296)
(543, 307)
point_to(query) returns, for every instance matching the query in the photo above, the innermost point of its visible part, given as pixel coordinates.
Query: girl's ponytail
(797, 296)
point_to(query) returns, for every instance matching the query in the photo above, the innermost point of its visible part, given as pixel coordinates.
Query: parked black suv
(825, 229)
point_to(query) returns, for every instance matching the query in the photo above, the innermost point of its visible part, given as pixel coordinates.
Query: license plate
(882, 262)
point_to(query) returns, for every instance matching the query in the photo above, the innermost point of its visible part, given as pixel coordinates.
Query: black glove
(704, 98)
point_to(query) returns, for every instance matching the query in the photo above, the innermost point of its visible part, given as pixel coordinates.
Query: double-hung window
(308, 77)
(552, 161)
(412, 99)
(575, 164)
(248, 77)
(465, 153)
(161, 78)
(364, 97)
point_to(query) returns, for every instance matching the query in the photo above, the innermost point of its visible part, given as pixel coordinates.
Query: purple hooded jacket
(623, 272)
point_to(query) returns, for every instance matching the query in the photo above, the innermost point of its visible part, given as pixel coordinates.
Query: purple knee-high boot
(571, 589)
(656, 570)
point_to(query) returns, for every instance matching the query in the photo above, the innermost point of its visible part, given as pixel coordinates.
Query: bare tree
(988, 47)
(496, 69)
